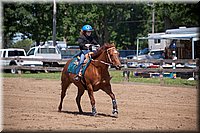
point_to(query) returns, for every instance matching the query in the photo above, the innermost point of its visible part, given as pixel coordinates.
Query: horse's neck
(102, 66)
(102, 60)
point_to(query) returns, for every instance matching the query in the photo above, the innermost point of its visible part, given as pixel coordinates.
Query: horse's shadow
(88, 114)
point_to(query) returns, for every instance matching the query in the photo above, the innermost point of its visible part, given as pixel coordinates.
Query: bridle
(109, 58)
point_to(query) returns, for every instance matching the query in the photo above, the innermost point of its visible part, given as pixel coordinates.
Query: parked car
(68, 53)
(157, 54)
(153, 54)
(15, 53)
(145, 54)
(132, 64)
(125, 53)
(144, 51)
(46, 52)
(130, 56)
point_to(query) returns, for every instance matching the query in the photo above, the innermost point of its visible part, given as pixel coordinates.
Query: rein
(103, 62)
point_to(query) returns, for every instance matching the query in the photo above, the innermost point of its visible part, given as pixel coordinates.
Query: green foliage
(173, 15)
(119, 23)
(25, 44)
(33, 20)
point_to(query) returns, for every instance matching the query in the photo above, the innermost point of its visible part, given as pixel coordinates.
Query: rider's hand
(97, 45)
(87, 45)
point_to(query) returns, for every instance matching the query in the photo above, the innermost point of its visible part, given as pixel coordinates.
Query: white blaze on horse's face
(115, 51)
(113, 56)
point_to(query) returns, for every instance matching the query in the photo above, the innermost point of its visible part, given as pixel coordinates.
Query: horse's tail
(65, 82)
(65, 74)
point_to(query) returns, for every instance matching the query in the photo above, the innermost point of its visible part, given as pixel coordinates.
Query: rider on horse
(85, 42)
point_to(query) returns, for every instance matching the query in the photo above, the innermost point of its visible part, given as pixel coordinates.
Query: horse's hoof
(94, 114)
(80, 112)
(115, 115)
(59, 109)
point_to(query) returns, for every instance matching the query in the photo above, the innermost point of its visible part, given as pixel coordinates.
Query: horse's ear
(113, 44)
(106, 44)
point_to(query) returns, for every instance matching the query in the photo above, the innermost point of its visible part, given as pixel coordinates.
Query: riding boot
(79, 75)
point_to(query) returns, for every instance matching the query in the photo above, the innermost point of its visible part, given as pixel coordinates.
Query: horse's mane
(102, 49)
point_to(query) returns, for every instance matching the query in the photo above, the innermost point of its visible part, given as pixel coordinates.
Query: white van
(45, 52)
(15, 53)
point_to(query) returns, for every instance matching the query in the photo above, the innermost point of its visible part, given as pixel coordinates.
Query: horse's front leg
(115, 111)
(108, 90)
(92, 100)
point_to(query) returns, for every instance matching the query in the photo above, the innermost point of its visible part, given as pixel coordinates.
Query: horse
(96, 77)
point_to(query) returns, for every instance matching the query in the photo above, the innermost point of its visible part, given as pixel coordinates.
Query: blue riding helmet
(87, 28)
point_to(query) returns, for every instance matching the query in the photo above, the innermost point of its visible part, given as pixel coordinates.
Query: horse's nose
(118, 67)
(121, 66)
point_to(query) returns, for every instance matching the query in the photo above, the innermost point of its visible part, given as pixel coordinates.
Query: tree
(24, 44)
(33, 20)
(9, 27)
(119, 23)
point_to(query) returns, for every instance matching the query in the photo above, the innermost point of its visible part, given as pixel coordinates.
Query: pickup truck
(15, 53)
(50, 53)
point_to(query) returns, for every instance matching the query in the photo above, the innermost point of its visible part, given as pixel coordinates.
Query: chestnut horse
(96, 77)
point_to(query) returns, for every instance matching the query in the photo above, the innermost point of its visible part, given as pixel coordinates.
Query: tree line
(120, 23)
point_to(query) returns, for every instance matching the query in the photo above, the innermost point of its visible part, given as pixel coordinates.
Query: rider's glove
(97, 45)
(87, 45)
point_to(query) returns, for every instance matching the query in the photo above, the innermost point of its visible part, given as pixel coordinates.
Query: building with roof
(186, 39)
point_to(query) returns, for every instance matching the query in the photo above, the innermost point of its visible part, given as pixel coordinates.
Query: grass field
(116, 78)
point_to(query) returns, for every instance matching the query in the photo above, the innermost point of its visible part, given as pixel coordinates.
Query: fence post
(19, 70)
(198, 72)
(161, 72)
(174, 68)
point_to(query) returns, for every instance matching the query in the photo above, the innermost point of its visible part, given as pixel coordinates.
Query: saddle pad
(73, 65)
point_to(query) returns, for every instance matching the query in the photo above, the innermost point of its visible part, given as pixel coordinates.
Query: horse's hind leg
(92, 100)
(78, 98)
(65, 84)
